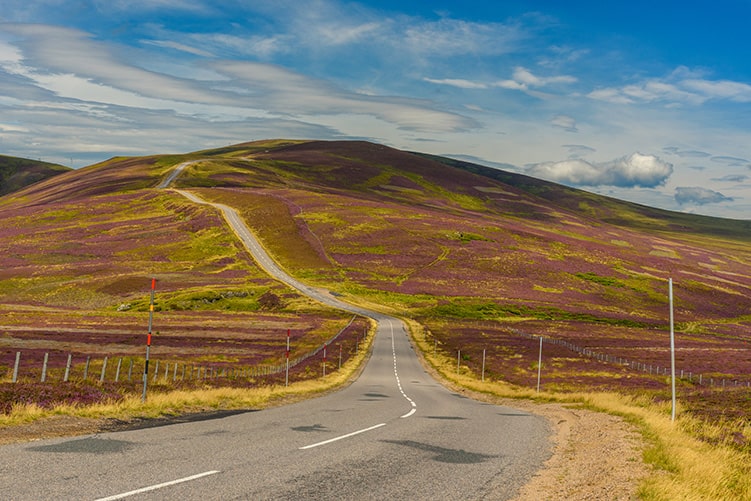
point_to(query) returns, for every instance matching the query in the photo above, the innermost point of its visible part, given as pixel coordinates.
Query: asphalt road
(394, 433)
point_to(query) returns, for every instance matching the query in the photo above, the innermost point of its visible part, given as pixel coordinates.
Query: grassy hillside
(482, 259)
(483, 263)
(78, 255)
(611, 210)
(16, 173)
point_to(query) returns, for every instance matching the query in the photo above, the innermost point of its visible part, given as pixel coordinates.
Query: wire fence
(128, 369)
(652, 369)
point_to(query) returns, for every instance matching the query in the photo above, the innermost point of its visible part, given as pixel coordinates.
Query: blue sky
(643, 101)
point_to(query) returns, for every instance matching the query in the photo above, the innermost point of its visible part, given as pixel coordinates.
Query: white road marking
(158, 486)
(396, 373)
(409, 413)
(342, 437)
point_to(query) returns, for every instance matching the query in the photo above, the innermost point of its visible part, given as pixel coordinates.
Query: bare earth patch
(56, 426)
(595, 456)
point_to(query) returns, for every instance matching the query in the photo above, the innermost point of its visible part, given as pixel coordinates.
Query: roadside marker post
(324, 360)
(148, 341)
(539, 367)
(286, 376)
(672, 348)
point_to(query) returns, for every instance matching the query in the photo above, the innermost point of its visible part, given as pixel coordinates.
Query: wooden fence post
(67, 368)
(104, 370)
(44, 367)
(15, 367)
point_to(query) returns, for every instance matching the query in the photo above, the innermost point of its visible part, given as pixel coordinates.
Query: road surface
(394, 433)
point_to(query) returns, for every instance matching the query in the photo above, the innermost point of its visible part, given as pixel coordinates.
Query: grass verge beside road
(176, 403)
(682, 465)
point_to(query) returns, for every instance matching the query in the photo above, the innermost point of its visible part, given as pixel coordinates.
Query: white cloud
(453, 37)
(610, 95)
(574, 171)
(457, 82)
(169, 44)
(699, 196)
(526, 77)
(72, 66)
(635, 170)
(149, 5)
(564, 122)
(12, 128)
(720, 89)
(290, 93)
(680, 87)
(523, 79)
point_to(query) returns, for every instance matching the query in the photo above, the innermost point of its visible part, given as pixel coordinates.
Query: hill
(481, 259)
(611, 210)
(16, 173)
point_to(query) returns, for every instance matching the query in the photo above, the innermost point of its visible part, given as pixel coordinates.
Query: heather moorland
(483, 262)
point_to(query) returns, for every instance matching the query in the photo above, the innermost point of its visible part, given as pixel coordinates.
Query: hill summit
(17, 173)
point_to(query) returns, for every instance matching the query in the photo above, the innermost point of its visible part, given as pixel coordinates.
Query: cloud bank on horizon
(644, 102)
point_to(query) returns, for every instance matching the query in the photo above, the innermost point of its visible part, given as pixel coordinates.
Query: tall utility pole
(286, 376)
(672, 347)
(539, 366)
(148, 341)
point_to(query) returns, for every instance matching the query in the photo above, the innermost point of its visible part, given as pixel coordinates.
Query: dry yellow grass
(683, 467)
(181, 402)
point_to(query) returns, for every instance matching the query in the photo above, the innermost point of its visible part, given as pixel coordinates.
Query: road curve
(394, 433)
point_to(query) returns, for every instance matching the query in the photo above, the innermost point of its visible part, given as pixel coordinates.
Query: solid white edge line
(158, 486)
(342, 437)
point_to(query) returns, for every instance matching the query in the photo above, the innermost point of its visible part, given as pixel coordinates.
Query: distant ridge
(606, 209)
(17, 173)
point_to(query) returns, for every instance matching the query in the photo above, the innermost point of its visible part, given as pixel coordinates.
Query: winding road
(394, 433)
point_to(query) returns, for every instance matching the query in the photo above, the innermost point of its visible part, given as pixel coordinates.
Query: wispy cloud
(732, 161)
(522, 80)
(564, 122)
(675, 89)
(457, 82)
(732, 178)
(70, 65)
(578, 150)
(454, 37)
(699, 196)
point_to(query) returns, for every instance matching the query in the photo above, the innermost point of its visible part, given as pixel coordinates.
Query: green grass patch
(598, 279)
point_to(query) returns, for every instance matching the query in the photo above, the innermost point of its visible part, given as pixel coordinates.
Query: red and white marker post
(148, 341)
